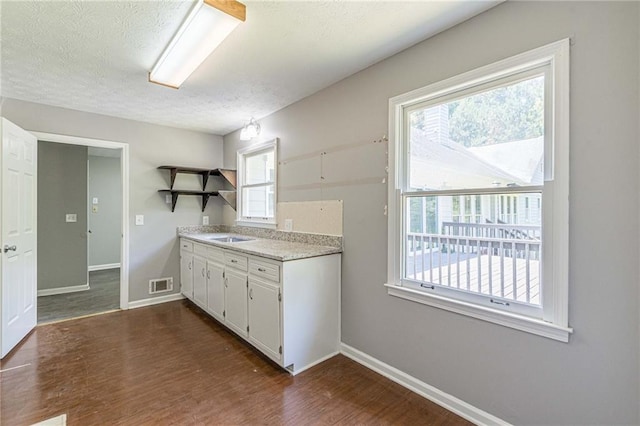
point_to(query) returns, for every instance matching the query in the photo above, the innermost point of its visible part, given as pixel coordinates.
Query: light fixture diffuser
(250, 131)
(206, 26)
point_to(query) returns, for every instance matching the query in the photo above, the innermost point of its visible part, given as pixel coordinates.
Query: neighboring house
(437, 162)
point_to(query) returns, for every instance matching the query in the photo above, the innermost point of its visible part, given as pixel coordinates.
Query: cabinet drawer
(200, 249)
(186, 245)
(215, 254)
(265, 270)
(235, 260)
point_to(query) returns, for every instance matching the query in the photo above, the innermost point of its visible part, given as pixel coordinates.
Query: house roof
(521, 158)
(450, 165)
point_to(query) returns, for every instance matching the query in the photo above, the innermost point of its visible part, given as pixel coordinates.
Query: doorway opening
(82, 227)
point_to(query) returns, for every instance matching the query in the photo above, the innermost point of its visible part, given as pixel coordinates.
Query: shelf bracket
(174, 172)
(205, 200)
(205, 179)
(174, 200)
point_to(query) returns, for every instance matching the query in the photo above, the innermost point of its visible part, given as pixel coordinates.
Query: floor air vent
(160, 285)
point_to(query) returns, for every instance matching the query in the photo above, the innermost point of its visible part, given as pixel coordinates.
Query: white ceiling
(94, 55)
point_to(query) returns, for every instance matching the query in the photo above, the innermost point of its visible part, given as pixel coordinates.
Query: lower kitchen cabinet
(200, 281)
(235, 301)
(264, 317)
(215, 290)
(289, 310)
(186, 268)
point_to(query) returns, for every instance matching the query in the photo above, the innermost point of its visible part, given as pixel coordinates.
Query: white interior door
(18, 295)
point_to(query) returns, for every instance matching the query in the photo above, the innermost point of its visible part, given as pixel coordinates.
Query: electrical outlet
(205, 220)
(288, 225)
(139, 219)
(71, 217)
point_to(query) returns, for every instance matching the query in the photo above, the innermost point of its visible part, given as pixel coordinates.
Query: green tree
(504, 114)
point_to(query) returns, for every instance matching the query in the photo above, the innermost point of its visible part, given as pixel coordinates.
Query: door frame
(124, 174)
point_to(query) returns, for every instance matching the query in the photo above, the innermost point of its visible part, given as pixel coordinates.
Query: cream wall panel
(314, 217)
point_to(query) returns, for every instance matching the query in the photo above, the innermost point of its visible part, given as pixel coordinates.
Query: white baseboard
(63, 290)
(313, 364)
(433, 394)
(156, 300)
(103, 267)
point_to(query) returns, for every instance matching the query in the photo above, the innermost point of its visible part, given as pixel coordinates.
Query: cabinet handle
(234, 261)
(226, 282)
(251, 293)
(262, 270)
(202, 272)
(208, 273)
(189, 265)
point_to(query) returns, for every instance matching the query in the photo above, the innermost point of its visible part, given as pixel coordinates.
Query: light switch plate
(71, 217)
(205, 220)
(95, 200)
(139, 219)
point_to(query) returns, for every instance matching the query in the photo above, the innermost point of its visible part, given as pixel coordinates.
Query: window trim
(241, 154)
(554, 323)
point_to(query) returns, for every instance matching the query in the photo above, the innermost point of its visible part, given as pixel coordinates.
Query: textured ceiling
(94, 55)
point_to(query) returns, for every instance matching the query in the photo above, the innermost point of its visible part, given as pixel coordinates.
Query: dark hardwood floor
(170, 364)
(103, 295)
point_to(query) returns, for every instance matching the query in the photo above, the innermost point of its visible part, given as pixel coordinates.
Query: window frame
(553, 323)
(242, 154)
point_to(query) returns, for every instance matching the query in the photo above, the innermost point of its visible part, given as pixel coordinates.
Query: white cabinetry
(186, 268)
(215, 290)
(289, 310)
(264, 317)
(235, 301)
(200, 281)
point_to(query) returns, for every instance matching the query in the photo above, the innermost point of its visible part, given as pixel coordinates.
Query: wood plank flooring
(170, 364)
(103, 295)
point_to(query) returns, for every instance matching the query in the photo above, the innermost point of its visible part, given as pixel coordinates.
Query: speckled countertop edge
(277, 245)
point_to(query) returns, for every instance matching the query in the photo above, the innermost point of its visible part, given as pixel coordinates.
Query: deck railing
(492, 259)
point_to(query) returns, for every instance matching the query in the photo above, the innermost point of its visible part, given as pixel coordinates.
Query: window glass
(259, 167)
(492, 139)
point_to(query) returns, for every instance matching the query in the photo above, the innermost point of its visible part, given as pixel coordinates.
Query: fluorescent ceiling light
(208, 24)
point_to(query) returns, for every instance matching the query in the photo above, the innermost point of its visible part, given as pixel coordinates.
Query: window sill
(267, 225)
(507, 319)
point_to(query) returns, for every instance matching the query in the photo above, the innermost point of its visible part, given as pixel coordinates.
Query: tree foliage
(514, 112)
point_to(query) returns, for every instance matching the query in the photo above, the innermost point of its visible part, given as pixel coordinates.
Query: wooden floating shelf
(176, 192)
(187, 170)
(228, 174)
(228, 195)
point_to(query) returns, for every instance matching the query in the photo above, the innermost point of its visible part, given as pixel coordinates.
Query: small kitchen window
(257, 184)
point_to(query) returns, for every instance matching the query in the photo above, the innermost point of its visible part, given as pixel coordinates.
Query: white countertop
(272, 249)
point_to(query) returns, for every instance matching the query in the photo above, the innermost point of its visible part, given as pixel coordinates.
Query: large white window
(257, 175)
(478, 193)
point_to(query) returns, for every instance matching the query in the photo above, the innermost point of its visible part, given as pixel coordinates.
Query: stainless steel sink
(230, 239)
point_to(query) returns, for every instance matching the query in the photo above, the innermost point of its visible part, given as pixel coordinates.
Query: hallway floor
(104, 295)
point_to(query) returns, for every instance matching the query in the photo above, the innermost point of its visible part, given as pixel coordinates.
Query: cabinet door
(215, 290)
(200, 281)
(235, 296)
(186, 274)
(264, 317)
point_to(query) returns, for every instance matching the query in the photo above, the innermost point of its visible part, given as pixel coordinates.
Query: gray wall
(62, 189)
(522, 378)
(105, 184)
(154, 249)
